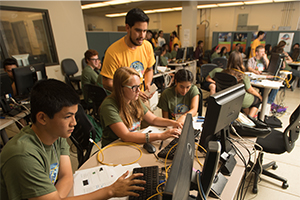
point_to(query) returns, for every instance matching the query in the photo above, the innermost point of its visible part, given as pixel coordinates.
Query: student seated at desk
(235, 67)
(35, 163)
(180, 99)
(121, 113)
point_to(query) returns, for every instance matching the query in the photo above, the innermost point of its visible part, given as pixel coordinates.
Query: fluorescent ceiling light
(116, 15)
(231, 4)
(257, 2)
(107, 3)
(207, 6)
(284, 0)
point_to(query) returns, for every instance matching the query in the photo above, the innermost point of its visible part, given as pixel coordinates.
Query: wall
(68, 30)
(267, 16)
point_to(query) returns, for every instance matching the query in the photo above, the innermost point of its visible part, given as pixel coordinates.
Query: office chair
(83, 63)
(277, 142)
(97, 94)
(206, 56)
(205, 69)
(221, 62)
(224, 80)
(200, 106)
(69, 68)
(81, 134)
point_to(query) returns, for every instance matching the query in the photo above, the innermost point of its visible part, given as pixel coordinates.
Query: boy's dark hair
(50, 96)
(183, 75)
(136, 15)
(160, 31)
(260, 33)
(89, 53)
(199, 42)
(174, 33)
(175, 45)
(9, 61)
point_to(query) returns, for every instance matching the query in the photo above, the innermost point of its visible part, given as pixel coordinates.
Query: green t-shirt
(248, 98)
(173, 54)
(109, 114)
(215, 55)
(28, 171)
(176, 104)
(163, 61)
(88, 76)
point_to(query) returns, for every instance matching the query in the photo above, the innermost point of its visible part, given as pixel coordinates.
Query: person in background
(91, 72)
(268, 50)
(237, 47)
(256, 42)
(165, 55)
(133, 51)
(296, 55)
(259, 62)
(175, 40)
(295, 46)
(174, 52)
(281, 45)
(35, 163)
(223, 53)
(180, 99)
(215, 52)
(235, 68)
(154, 39)
(198, 54)
(8, 65)
(149, 37)
(121, 112)
(161, 40)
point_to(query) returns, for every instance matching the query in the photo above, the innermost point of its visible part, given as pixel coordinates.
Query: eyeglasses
(94, 59)
(134, 88)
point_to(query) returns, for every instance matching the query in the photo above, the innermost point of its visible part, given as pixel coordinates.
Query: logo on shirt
(135, 126)
(139, 67)
(53, 172)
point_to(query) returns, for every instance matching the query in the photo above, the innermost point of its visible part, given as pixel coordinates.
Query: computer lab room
(150, 99)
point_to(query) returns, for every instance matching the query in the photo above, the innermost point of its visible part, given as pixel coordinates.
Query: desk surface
(126, 154)
(10, 120)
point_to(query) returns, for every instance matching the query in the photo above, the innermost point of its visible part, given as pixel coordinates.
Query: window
(26, 32)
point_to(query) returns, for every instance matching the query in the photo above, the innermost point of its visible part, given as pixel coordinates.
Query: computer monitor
(179, 180)
(275, 64)
(189, 53)
(5, 84)
(22, 59)
(180, 53)
(223, 108)
(25, 77)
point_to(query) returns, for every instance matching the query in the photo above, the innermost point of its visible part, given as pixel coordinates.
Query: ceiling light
(257, 2)
(207, 6)
(116, 15)
(231, 4)
(283, 0)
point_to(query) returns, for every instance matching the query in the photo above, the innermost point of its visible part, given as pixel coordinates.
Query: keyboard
(163, 153)
(151, 178)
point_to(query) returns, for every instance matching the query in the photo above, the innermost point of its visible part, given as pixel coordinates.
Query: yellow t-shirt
(120, 55)
(176, 40)
(255, 43)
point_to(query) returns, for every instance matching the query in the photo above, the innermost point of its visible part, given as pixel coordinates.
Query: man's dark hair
(136, 15)
(50, 96)
(260, 33)
(175, 45)
(174, 33)
(199, 42)
(237, 44)
(9, 61)
(149, 31)
(90, 53)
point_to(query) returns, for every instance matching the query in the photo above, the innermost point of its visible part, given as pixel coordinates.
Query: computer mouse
(149, 147)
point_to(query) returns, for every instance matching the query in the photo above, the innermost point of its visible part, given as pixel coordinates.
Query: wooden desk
(8, 121)
(126, 154)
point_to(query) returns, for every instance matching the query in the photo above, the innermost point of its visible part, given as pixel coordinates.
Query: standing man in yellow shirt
(132, 50)
(175, 40)
(256, 42)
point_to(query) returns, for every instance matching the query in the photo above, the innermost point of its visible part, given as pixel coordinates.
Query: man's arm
(108, 83)
(148, 78)
(65, 177)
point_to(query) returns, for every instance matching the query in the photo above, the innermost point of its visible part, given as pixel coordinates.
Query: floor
(288, 163)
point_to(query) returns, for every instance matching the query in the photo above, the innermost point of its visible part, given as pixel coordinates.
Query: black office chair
(83, 63)
(97, 94)
(224, 80)
(206, 57)
(277, 142)
(81, 134)
(200, 106)
(69, 68)
(205, 69)
(221, 62)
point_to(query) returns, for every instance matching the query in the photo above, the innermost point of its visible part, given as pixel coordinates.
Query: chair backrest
(221, 62)
(69, 66)
(200, 106)
(207, 54)
(97, 94)
(224, 80)
(83, 63)
(84, 130)
(205, 69)
(291, 132)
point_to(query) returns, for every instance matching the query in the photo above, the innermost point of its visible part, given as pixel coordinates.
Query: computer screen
(5, 84)
(275, 64)
(179, 179)
(223, 108)
(189, 53)
(25, 77)
(180, 53)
